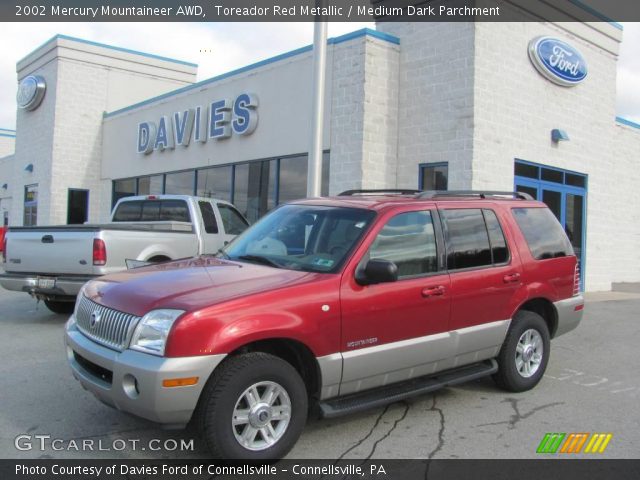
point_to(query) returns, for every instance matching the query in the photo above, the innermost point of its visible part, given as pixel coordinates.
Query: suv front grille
(108, 327)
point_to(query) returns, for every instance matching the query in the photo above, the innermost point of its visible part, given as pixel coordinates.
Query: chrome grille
(113, 329)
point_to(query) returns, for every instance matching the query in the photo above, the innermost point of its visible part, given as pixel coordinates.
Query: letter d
(146, 137)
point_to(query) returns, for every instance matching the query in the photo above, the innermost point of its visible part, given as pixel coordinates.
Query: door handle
(511, 278)
(433, 291)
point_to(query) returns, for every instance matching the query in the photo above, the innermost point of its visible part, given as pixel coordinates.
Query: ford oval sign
(557, 61)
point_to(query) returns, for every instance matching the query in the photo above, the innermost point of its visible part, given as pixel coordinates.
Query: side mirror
(377, 271)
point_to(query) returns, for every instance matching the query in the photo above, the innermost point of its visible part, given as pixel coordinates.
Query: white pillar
(314, 175)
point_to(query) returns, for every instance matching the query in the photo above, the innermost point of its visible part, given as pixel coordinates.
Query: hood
(190, 284)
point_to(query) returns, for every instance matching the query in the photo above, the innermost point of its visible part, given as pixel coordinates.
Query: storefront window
(123, 188)
(293, 178)
(215, 183)
(30, 205)
(150, 185)
(254, 188)
(180, 183)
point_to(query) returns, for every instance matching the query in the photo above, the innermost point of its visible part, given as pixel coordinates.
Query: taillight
(99, 252)
(576, 280)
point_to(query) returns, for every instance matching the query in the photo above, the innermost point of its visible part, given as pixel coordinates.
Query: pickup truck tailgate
(57, 250)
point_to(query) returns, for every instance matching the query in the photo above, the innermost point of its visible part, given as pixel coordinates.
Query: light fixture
(5, 186)
(29, 168)
(558, 135)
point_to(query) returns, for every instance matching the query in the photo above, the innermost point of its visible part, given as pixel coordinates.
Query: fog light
(130, 386)
(179, 382)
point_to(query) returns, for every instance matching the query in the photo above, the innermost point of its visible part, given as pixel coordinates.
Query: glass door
(565, 194)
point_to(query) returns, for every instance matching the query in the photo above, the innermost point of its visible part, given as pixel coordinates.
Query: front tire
(524, 355)
(60, 307)
(254, 407)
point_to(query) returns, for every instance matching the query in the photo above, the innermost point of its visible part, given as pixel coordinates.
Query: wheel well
(293, 352)
(159, 258)
(546, 310)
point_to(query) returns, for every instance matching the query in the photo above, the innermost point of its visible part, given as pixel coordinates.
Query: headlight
(150, 335)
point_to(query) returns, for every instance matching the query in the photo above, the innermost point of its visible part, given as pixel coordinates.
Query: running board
(395, 392)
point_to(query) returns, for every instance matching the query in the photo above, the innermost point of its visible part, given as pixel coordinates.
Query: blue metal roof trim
(332, 41)
(628, 123)
(111, 47)
(594, 12)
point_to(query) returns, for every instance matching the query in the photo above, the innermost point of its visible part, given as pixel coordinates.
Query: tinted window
(150, 185)
(525, 170)
(543, 233)
(208, 217)
(499, 251)
(435, 177)
(123, 188)
(152, 211)
(215, 183)
(128, 212)
(181, 183)
(234, 223)
(408, 240)
(175, 210)
(467, 239)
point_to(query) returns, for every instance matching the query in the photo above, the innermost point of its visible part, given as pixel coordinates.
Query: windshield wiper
(222, 253)
(260, 259)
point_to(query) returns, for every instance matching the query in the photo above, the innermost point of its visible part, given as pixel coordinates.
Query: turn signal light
(180, 382)
(99, 252)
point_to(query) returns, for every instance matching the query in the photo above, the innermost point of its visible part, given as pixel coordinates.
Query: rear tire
(524, 355)
(60, 307)
(254, 407)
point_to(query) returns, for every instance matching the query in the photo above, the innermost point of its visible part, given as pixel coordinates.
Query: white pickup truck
(53, 262)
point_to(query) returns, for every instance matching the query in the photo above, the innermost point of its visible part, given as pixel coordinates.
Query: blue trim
(332, 41)
(112, 47)
(595, 13)
(8, 135)
(364, 32)
(626, 122)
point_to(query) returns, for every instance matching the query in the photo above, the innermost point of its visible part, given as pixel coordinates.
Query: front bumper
(569, 314)
(65, 286)
(110, 375)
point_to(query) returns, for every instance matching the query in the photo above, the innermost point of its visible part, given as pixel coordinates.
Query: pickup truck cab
(53, 262)
(330, 306)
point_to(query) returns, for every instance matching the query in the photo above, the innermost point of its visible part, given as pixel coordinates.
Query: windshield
(302, 237)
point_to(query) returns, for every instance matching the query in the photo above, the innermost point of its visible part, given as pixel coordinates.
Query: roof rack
(473, 193)
(383, 191)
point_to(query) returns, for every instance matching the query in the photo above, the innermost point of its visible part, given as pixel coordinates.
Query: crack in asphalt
(440, 444)
(435, 408)
(364, 439)
(517, 416)
(407, 407)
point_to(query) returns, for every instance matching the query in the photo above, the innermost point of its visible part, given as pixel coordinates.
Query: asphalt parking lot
(592, 385)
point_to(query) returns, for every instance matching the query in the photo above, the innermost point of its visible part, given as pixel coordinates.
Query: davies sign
(215, 121)
(557, 61)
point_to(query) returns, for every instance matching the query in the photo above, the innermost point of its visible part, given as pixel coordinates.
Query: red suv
(330, 305)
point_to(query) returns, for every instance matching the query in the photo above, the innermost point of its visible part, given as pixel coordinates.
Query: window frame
(423, 166)
(447, 240)
(438, 234)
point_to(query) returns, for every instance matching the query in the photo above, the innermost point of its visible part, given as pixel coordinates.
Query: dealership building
(484, 106)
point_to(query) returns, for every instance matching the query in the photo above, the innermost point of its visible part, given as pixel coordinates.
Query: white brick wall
(364, 114)
(435, 99)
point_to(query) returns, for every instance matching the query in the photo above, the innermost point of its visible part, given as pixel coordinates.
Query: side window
(543, 233)
(208, 217)
(409, 241)
(234, 223)
(467, 239)
(499, 250)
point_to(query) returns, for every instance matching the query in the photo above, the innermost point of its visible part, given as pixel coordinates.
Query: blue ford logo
(557, 61)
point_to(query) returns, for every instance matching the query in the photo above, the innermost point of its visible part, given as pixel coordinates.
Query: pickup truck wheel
(254, 407)
(59, 307)
(524, 354)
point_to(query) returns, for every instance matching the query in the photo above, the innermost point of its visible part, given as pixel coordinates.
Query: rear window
(152, 211)
(543, 232)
